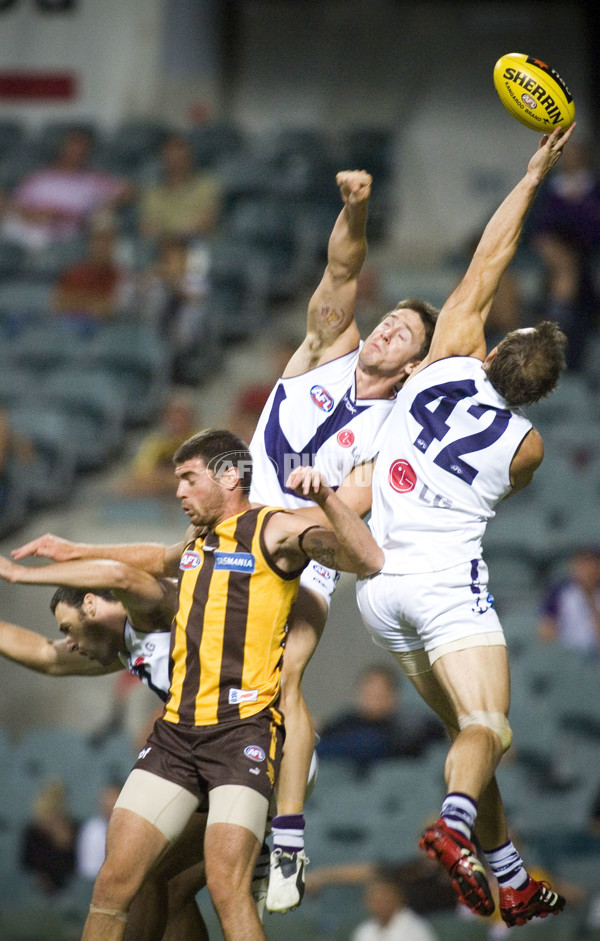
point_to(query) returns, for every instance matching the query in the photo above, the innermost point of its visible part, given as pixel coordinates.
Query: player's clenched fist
(355, 185)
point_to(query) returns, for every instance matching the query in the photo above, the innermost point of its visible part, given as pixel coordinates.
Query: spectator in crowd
(390, 917)
(48, 840)
(422, 882)
(570, 614)
(54, 203)
(90, 846)
(150, 473)
(379, 727)
(564, 232)
(172, 294)
(91, 291)
(185, 203)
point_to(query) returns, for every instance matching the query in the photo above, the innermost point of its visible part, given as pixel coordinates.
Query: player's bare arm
(355, 492)
(52, 658)
(331, 329)
(526, 461)
(347, 545)
(150, 602)
(154, 558)
(459, 329)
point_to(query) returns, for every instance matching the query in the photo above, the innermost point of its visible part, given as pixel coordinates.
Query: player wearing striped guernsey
(238, 581)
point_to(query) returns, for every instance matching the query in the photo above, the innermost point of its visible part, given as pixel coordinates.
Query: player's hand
(309, 482)
(355, 185)
(549, 150)
(48, 547)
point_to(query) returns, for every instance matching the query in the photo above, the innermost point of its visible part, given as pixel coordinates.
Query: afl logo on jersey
(345, 438)
(401, 476)
(321, 398)
(190, 560)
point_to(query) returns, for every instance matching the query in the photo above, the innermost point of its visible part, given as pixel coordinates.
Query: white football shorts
(431, 609)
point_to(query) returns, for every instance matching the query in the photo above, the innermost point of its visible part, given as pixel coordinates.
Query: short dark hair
(219, 449)
(74, 596)
(528, 363)
(428, 314)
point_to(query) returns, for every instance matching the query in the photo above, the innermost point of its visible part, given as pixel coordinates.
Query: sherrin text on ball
(533, 92)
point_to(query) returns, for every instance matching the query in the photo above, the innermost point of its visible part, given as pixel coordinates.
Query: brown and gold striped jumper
(228, 635)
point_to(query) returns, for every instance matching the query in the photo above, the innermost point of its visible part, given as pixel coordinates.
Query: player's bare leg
(288, 860)
(305, 627)
(166, 904)
(521, 897)
(231, 852)
(132, 847)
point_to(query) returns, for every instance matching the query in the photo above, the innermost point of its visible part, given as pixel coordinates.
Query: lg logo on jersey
(403, 479)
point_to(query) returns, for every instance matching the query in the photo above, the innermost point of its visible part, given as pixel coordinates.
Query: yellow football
(533, 93)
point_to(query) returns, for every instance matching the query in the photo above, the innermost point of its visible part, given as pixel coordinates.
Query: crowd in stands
(143, 252)
(130, 260)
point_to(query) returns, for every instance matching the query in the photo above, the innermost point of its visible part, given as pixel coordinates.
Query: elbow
(118, 576)
(372, 565)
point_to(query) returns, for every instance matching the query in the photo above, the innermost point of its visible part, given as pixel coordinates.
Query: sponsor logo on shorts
(345, 438)
(321, 398)
(242, 695)
(401, 476)
(144, 752)
(254, 753)
(190, 560)
(234, 561)
(254, 770)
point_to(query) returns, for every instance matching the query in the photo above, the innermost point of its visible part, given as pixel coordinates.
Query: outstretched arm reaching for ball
(459, 329)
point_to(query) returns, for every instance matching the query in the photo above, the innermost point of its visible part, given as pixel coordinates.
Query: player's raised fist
(355, 185)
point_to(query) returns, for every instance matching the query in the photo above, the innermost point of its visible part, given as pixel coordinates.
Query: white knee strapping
(496, 721)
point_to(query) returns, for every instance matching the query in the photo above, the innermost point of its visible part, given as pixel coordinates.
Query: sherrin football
(533, 93)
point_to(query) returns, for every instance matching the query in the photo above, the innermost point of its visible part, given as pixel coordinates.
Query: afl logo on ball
(345, 438)
(529, 102)
(321, 398)
(254, 753)
(401, 476)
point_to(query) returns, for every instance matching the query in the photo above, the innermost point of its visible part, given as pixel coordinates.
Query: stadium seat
(49, 345)
(215, 142)
(49, 476)
(239, 287)
(133, 143)
(135, 361)
(24, 301)
(12, 258)
(46, 265)
(265, 226)
(12, 133)
(95, 410)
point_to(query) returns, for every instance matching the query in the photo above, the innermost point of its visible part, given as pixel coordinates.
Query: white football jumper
(444, 463)
(314, 419)
(147, 656)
